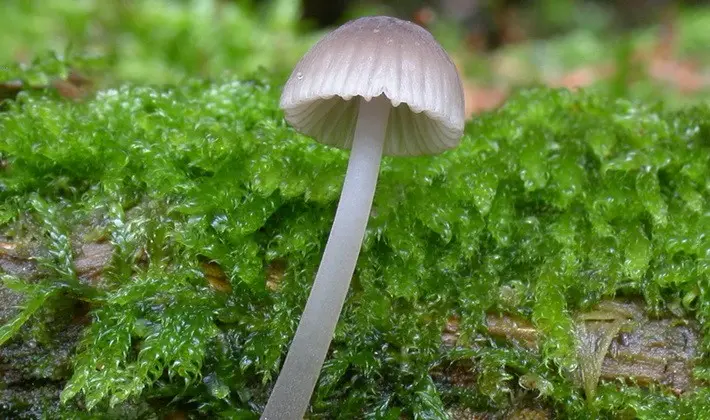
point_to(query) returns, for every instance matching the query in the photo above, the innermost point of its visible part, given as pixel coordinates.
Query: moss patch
(216, 213)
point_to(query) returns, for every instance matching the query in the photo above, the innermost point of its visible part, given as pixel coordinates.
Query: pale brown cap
(375, 56)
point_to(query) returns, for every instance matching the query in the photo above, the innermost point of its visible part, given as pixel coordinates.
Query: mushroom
(377, 86)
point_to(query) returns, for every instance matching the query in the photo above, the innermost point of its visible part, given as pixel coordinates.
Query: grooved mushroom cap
(375, 56)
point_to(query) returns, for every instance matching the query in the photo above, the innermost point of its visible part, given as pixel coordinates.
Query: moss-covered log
(161, 242)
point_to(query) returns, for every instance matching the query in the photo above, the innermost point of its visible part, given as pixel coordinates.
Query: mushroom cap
(374, 56)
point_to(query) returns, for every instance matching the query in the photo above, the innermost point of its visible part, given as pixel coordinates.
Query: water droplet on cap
(299, 75)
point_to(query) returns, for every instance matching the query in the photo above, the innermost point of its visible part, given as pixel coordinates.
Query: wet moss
(215, 213)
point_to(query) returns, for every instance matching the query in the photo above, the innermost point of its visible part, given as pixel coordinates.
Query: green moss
(550, 205)
(564, 198)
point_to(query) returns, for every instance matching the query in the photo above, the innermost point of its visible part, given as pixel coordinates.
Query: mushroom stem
(296, 382)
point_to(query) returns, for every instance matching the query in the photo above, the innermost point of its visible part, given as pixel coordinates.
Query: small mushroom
(377, 86)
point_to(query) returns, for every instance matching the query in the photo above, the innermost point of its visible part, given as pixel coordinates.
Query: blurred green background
(642, 48)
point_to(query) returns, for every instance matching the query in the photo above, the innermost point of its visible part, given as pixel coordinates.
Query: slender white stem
(296, 382)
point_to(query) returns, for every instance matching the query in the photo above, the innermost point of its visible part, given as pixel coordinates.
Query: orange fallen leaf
(480, 99)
